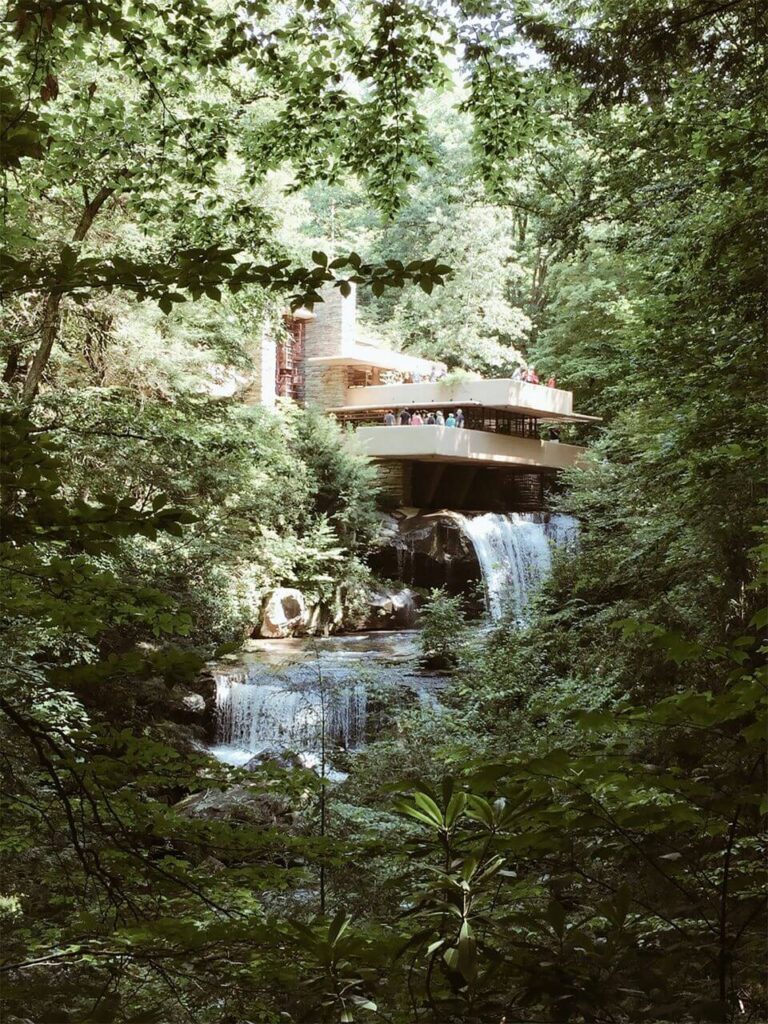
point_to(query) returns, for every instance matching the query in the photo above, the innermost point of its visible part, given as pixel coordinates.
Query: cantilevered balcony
(470, 447)
(506, 395)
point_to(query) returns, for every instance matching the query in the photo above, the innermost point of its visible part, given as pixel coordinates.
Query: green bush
(443, 630)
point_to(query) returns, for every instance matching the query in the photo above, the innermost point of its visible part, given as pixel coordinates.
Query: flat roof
(379, 358)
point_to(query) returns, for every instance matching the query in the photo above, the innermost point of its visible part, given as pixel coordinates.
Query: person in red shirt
(552, 382)
(532, 375)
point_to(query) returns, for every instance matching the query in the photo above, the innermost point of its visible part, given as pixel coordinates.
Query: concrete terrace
(472, 447)
(501, 393)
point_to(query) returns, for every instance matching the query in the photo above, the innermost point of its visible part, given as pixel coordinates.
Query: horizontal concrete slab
(455, 444)
(501, 393)
(378, 358)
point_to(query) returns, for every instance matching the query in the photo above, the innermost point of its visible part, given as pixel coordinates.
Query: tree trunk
(12, 364)
(51, 318)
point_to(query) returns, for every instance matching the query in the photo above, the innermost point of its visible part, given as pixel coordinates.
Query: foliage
(576, 835)
(170, 140)
(442, 629)
(481, 316)
(586, 881)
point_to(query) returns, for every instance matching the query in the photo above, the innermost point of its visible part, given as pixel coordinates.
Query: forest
(487, 812)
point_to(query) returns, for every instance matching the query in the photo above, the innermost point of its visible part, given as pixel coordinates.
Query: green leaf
(455, 808)
(402, 807)
(760, 619)
(428, 806)
(338, 926)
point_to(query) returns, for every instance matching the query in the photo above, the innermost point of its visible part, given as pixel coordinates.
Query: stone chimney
(330, 333)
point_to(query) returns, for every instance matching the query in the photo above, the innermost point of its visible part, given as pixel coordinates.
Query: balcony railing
(489, 420)
(503, 396)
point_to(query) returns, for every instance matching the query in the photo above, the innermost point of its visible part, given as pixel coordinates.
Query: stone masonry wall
(330, 333)
(395, 481)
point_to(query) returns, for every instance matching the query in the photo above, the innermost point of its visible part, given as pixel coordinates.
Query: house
(495, 461)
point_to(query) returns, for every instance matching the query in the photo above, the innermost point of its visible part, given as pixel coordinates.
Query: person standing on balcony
(405, 417)
(532, 375)
(459, 418)
(389, 418)
(439, 418)
(552, 382)
(416, 420)
(430, 420)
(450, 420)
(519, 374)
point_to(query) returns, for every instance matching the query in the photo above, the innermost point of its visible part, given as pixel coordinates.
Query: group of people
(423, 418)
(529, 376)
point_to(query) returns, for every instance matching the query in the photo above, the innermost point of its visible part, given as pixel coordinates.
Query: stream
(289, 694)
(309, 693)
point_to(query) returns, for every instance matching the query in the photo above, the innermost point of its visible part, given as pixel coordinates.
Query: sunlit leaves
(205, 272)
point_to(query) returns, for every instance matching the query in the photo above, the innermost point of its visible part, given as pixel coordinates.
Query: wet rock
(391, 609)
(192, 706)
(273, 756)
(198, 705)
(285, 613)
(194, 703)
(426, 549)
(389, 527)
(250, 804)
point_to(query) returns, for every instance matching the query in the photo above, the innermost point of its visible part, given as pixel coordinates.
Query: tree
(593, 853)
(149, 139)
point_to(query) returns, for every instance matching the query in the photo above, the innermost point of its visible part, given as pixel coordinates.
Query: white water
(515, 555)
(290, 694)
(256, 711)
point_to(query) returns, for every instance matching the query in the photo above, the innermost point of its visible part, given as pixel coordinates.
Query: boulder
(192, 705)
(285, 613)
(391, 609)
(273, 757)
(251, 804)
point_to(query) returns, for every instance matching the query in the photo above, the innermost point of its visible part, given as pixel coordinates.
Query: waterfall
(257, 710)
(515, 555)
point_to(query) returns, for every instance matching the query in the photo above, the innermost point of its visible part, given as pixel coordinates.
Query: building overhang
(508, 396)
(470, 447)
(368, 356)
(378, 411)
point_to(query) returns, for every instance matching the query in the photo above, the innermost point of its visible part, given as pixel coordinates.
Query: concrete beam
(470, 447)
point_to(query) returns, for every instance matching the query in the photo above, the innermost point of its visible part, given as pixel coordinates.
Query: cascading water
(256, 712)
(295, 694)
(515, 555)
